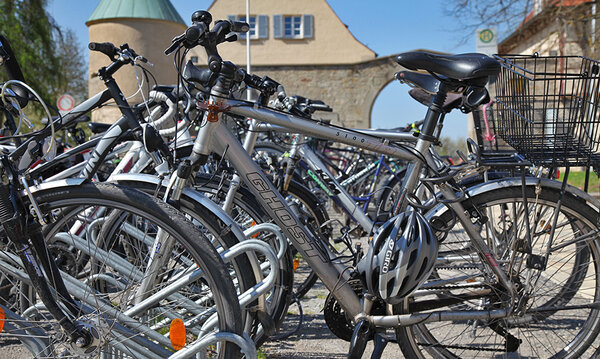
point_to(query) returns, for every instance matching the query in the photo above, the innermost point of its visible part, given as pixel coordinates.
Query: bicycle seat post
(426, 138)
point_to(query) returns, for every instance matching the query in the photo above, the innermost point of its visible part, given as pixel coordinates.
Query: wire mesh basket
(547, 108)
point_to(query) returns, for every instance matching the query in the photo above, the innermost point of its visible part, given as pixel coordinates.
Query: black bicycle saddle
(457, 67)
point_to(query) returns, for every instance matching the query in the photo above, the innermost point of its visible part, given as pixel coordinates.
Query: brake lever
(175, 44)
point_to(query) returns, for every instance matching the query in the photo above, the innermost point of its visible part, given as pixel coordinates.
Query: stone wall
(350, 90)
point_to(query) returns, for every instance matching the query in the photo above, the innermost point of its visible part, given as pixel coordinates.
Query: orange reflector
(296, 263)
(252, 225)
(470, 280)
(1, 319)
(177, 334)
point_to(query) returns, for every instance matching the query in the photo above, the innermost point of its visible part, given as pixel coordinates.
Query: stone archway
(350, 90)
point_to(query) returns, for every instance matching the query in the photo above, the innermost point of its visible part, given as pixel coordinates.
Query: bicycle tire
(315, 215)
(246, 212)
(570, 277)
(104, 305)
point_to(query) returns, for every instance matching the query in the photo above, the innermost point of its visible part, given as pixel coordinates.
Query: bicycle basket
(547, 108)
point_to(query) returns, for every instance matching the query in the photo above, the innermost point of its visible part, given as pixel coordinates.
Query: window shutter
(277, 26)
(263, 26)
(307, 24)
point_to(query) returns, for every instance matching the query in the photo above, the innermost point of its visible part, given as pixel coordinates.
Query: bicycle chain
(456, 286)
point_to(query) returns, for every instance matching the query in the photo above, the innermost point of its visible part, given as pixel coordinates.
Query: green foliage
(49, 58)
(577, 179)
(450, 146)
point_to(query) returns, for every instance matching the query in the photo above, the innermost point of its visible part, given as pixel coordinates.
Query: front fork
(35, 257)
(163, 243)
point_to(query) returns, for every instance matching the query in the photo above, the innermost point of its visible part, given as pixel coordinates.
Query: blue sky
(387, 27)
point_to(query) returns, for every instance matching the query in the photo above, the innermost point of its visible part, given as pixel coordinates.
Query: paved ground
(314, 340)
(13, 350)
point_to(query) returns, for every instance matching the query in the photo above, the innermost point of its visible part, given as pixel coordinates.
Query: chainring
(336, 318)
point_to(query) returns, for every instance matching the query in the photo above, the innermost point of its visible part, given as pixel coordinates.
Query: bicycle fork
(35, 257)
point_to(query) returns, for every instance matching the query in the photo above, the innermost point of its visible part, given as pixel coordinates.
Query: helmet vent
(403, 286)
(423, 267)
(412, 258)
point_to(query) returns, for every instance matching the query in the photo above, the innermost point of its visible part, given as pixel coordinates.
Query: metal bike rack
(245, 343)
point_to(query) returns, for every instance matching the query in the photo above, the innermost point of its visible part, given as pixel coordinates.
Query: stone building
(301, 44)
(148, 27)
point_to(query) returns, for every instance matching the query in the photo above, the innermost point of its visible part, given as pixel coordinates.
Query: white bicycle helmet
(400, 257)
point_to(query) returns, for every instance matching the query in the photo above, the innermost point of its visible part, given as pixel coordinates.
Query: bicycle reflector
(177, 334)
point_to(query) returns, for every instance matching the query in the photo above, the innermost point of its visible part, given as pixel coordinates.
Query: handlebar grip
(193, 34)
(320, 107)
(106, 48)
(239, 26)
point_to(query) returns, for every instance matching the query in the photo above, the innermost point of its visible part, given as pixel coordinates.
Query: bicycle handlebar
(106, 48)
(198, 34)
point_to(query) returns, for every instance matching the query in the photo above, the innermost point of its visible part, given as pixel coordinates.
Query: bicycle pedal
(360, 337)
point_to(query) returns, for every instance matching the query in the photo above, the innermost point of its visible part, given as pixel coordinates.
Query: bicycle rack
(258, 289)
(246, 345)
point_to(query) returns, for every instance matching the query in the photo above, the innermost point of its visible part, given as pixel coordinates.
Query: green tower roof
(143, 9)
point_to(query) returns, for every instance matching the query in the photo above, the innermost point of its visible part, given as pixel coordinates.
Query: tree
(72, 67)
(571, 21)
(48, 56)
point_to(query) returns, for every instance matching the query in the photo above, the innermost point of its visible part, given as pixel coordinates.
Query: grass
(260, 354)
(577, 179)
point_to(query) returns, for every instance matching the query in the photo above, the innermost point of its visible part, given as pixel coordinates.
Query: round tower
(148, 26)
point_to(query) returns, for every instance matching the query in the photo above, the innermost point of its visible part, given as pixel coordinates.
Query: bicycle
(61, 310)
(499, 288)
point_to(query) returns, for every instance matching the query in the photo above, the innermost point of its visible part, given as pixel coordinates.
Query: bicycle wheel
(315, 215)
(246, 213)
(190, 285)
(557, 313)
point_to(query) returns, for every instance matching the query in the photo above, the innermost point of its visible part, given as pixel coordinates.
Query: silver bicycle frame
(333, 273)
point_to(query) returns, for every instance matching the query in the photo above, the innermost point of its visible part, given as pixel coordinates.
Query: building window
(194, 59)
(293, 26)
(259, 26)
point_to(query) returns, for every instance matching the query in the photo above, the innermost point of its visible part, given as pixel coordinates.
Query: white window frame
(299, 26)
(293, 20)
(259, 26)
